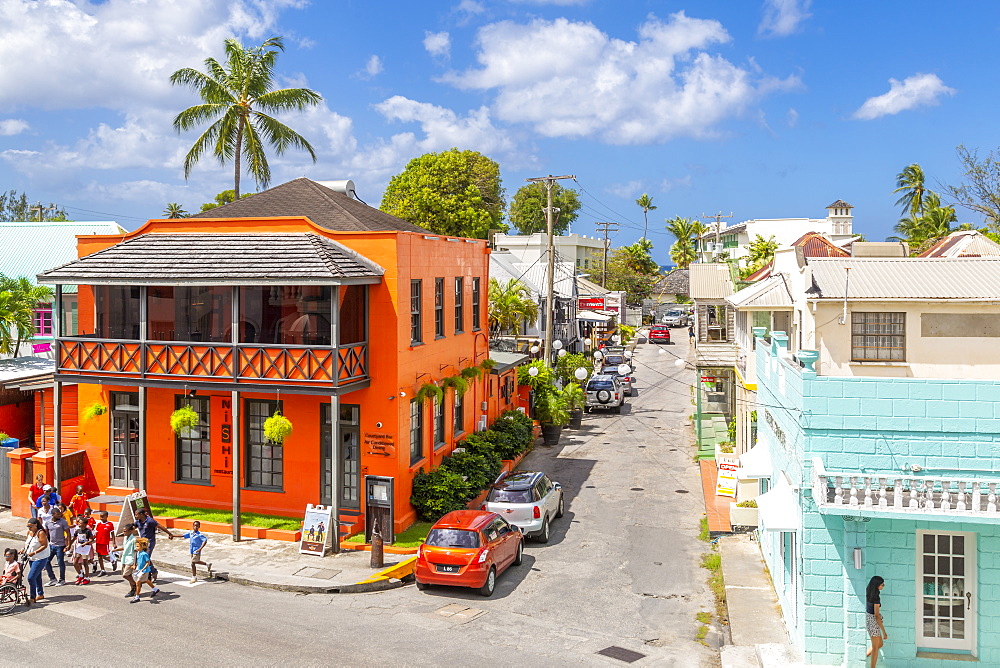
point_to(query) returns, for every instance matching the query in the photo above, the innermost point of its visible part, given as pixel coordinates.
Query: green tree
(910, 183)
(687, 232)
(527, 210)
(510, 305)
(629, 269)
(980, 192)
(175, 210)
(759, 253)
(646, 204)
(225, 197)
(14, 207)
(936, 222)
(453, 192)
(18, 299)
(238, 99)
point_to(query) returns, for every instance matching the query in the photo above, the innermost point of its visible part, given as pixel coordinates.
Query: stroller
(14, 593)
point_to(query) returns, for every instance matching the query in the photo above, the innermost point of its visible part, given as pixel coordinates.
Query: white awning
(592, 316)
(779, 508)
(756, 463)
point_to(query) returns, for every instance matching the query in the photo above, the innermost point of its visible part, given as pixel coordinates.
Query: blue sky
(770, 108)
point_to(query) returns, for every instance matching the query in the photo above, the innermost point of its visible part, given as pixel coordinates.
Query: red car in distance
(659, 334)
(468, 548)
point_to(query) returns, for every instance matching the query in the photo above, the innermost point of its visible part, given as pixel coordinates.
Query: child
(143, 568)
(83, 542)
(44, 511)
(88, 515)
(11, 569)
(198, 540)
(78, 504)
(104, 532)
(65, 513)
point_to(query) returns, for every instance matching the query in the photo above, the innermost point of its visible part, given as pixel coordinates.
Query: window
(42, 319)
(476, 302)
(459, 414)
(353, 314)
(878, 336)
(194, 445)
(117, 310)
(264, 459)
(438, 308)
(459, 305)
(285, 314)
(438, 423)
(416, 432)
(416, 329)
(197, 313)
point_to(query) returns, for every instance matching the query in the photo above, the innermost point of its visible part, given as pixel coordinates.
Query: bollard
(378, 558)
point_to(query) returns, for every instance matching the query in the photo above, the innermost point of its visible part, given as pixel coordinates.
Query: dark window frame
(438, 308)
(194, 448)
(459, 305)
(439, 422)
(416, 316)
(476, 303)
(416, 432)
(873, 334)
(458, 414)
(253, 462)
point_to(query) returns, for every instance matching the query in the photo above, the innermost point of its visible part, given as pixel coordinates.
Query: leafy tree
(759, 253)
(639, 257)
(630, 269)
(18, 299)
(18, 207)
(980, 192)
(237, 100)
(175, 210)
(527, 210)
(225, 197)
(454, 192)
(510, 305)
(936, 222)
(646, 204)
(687, 232)
(910, 182)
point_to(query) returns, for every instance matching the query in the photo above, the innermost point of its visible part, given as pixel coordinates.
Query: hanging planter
(471, 372)
(277, 428)
(93, 410)
(487, 364)
(457, 383)
(428, 391)
(183, 418)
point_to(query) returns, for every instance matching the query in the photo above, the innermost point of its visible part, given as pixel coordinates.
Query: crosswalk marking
(77, 610)
(21, 629)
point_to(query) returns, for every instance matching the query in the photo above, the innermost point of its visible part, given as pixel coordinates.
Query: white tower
(840, 217)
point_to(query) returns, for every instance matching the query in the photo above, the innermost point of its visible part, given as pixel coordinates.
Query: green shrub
(479, 470)
(567, 365)
(518, 429)
(439, 492)
(481, 444)
(749, 503)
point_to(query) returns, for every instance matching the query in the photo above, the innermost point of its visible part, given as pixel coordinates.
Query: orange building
(299, 299)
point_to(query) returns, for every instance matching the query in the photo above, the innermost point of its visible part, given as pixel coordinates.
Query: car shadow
(507, 583)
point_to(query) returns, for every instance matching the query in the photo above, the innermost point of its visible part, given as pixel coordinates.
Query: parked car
(615, 358)
(604, 391)
(626, 379)
(468, 548)
(675, 318)
(529, 501)
(659, 334)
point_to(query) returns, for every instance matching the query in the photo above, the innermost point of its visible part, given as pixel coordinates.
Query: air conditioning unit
(709, 246)
(482, 423)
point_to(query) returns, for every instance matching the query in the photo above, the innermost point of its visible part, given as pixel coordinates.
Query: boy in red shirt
(104, 532)
(78, 504)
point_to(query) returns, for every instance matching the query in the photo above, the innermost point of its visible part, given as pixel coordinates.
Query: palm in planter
(576, 398)
(552, 410)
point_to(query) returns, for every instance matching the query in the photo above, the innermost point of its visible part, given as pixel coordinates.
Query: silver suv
(528, 500)
(675, 319)
(604, 391)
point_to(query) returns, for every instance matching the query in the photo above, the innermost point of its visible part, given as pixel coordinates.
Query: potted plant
(744, 513)
(277, 428)
(93, 410)
(552, 411)
(576, 398)
(183, 419)
(428, 391)
(457, 383)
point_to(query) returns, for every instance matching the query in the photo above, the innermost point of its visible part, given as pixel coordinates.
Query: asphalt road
(621, 570)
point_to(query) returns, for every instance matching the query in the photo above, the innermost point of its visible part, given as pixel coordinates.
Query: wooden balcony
(896, 495)
(214, 362)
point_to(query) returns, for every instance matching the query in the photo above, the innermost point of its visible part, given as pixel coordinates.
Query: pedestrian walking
(59, 535)
(130, 535)
(147, 528)
(35, 491)
(11, 568)
(83, 549)
(873, 617)
(198, 540)
(104, 536)
(143, 569)
(44, 512)
(78, 504)
(690, 334)
(36, 549)
(49, 493)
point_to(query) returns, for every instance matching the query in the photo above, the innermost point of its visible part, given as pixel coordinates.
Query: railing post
(882, 503)
(945, 495)
(838, 491)
(914, 493)
(977, 497)
(868, 491)
(854, 490)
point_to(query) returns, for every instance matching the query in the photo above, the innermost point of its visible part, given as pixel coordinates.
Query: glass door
(125, 439)
(349, 453)
(946, 590)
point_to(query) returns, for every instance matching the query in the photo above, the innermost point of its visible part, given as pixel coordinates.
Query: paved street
(622, 569)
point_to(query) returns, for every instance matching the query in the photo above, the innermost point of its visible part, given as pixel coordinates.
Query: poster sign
(596, 303)
(725, 484)
(317, 527)
(131, 504)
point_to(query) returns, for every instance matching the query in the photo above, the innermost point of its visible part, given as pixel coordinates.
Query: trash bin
(9, 443)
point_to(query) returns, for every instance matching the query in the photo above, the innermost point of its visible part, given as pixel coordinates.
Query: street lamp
(562, 353)
(624, 369)
(534, 350)
(628, 354)
(533, 371)
(557, 344)
(598, 355)
(679, 363)
(587, 342)
(580, 373)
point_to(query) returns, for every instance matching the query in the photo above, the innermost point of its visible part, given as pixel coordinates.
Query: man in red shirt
(105, 538)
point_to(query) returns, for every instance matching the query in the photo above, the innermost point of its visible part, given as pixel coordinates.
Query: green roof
(31, 248)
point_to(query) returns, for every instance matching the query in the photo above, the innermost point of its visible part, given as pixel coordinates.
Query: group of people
(92, 545)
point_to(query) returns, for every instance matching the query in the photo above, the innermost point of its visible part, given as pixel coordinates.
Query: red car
(468, 548)
(659, 334)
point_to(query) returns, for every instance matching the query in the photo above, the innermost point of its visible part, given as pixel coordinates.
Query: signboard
(317, 529)
(222, 436)
(379, 443)
(595, 303)
(131, 504)
(725, 484)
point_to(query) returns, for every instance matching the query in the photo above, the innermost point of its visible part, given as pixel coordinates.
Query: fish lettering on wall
(380, 444)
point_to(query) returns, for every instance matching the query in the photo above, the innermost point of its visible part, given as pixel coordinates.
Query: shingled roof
(840, 204)
(219, 259)
(327, 208)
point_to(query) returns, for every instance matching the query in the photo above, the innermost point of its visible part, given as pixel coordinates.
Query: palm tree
(175, 210)
(235, 97)
(683, 253)
(646, 202)
(640, 257)
(510, 305)
(936, 222)
(18, 299)
(910, 182)
(687, 232)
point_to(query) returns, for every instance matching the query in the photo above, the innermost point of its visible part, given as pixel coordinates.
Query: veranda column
(143, 317)
(237, 439)
(335, 459)
(57, 396)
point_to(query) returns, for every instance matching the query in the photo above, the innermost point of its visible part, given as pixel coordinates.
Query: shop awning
(592, 316)
(779, 508)
(756, 463)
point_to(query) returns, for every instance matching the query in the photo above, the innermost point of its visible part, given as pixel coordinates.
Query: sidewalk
(257, 562)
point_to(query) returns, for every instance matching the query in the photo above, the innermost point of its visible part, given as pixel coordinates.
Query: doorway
(125, 439)
(349, 452)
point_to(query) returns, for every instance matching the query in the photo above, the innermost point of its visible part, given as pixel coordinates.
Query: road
(622, 570)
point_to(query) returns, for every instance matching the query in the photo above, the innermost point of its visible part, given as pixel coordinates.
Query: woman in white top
(36, 548)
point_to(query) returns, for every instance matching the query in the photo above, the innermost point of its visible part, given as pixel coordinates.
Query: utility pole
(550, 298)
(608, 228)
(40, 209)
(718, 225)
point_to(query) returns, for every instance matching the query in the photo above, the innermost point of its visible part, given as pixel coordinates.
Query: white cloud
(470, 7)
(443, 128)
(628, 190)
(12, 126)
(438, 44)
(792, 118)
(373, 67)
(783, 17)
(569, 79)
(916, 91)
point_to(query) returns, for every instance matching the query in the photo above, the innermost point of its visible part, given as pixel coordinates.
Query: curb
(358, 588)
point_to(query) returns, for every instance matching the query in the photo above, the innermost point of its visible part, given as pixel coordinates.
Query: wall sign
(222, 436)
(591, 303)
(380, 443)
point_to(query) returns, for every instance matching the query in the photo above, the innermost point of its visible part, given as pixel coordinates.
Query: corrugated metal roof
(905, 278)
(30, 248)
(814, 244)
(771, 293)
(537, 274)
(966, 243)
(710, 280)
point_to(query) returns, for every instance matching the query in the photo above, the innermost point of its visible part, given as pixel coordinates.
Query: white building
(576, 248)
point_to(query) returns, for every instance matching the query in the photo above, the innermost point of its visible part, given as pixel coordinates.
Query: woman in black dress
(873, 617)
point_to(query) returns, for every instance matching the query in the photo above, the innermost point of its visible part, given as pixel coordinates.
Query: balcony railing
(310, 365)
(891, 492)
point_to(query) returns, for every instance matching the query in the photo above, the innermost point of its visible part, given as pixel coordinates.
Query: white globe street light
(598, 355)
(662, 351)
(580, 373)
(624, 369)
(616, 338)
(534, 350)
(628, 354)
(587, 342)
(557, 345)
(562, 353)
(533, 371)
(679, 364)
